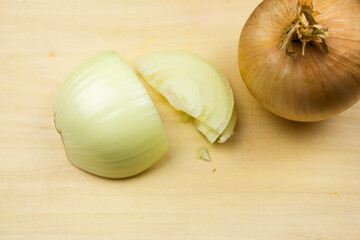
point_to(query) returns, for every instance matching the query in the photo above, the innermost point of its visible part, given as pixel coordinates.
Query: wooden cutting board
(274, 179)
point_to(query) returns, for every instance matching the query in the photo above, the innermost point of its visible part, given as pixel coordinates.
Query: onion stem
(305, 29)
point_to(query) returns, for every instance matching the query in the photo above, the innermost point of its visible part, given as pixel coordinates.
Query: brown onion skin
(306, 88)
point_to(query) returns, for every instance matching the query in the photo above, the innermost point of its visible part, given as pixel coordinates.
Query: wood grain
(275, 179)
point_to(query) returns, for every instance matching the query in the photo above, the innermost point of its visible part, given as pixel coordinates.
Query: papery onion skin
(306, 88)
(108, 123)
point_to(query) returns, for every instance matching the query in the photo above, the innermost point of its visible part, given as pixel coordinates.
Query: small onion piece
(107, 121)
(203, 153)
(301, 59)
(193, 85)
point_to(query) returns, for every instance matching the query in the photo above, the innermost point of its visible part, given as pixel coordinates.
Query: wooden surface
(275, 179)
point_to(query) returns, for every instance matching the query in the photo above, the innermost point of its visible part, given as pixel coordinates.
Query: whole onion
(301, 59)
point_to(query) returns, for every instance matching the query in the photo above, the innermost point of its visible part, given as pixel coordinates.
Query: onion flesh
(203, 153)
(193, 85)
(107, 121)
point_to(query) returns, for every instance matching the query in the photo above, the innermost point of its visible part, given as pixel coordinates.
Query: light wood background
(275, 179)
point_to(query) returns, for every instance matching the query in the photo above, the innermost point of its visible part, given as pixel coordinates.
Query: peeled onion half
(107, 121)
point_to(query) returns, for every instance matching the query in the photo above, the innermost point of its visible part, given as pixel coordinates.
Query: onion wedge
(193, 85)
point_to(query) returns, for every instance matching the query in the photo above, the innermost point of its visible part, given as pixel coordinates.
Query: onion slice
(193, 85)
(107, 121)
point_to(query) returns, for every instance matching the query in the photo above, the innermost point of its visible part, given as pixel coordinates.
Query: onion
(203, 153)
(107, 121)
(193, 85)
(301, 59)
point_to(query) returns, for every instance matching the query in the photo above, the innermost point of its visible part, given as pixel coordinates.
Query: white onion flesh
(107, 121)
(203, 153)
(193, 85)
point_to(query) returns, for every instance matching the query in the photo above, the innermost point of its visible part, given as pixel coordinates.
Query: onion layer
(107, 121)
(317, 85)
(193, 85)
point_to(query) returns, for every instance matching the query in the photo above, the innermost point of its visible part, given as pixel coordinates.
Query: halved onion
(193, 85)
(107, 121)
